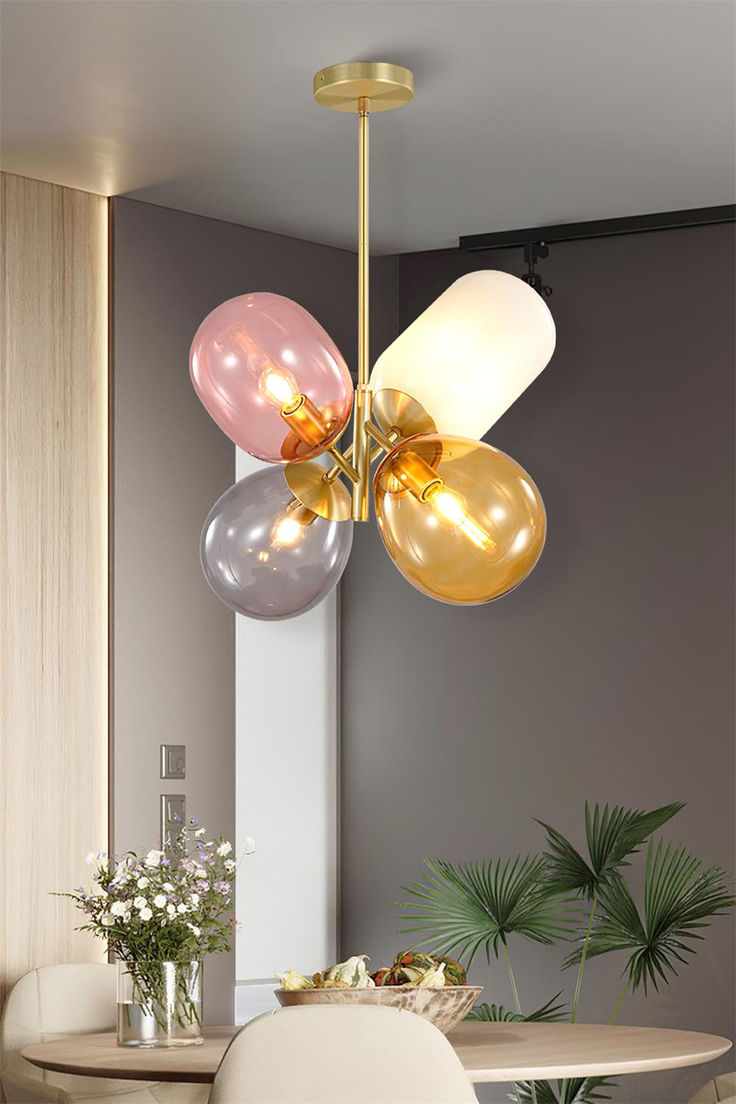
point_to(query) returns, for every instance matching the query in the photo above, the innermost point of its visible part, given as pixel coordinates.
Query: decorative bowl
(445, 1007)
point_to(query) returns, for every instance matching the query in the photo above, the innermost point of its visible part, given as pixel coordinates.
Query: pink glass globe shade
(271, 377)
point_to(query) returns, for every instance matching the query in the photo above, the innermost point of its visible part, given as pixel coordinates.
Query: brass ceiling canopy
(342, 87)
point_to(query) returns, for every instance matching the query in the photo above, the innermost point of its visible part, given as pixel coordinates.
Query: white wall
(286, 795)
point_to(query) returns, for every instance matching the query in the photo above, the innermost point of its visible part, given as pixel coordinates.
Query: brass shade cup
(462, 521)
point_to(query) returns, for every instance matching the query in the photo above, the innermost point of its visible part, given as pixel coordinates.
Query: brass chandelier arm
(342, 464)
(361, 446)
(385, 441)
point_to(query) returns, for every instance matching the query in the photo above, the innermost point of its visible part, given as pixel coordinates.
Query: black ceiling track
(600, 228)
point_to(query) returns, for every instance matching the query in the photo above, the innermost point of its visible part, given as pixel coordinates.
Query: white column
(286, 685)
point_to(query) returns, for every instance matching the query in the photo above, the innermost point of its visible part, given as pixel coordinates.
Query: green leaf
(680, 897)
(612, 835)
(574, 1090)
(496, 1013)
(469, 906)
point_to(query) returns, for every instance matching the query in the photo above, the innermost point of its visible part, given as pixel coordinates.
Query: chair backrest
(721, 1089)
(53, 1001)
(331, 1054)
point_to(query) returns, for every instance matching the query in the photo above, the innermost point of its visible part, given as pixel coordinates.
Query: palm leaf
(496, 1013)
(612, 835)
(574, 1090)
(680, 897)
(469, 906)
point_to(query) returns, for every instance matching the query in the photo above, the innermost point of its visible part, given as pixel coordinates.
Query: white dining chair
(357, 1054)
(719, 1089)
(51, 1003)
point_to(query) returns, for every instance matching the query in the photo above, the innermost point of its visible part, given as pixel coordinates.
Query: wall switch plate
(173, 761)
(173, 818)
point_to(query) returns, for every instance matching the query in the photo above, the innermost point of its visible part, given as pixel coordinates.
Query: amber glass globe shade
(463, 522)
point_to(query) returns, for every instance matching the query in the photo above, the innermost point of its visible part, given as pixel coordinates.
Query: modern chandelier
(462, 521)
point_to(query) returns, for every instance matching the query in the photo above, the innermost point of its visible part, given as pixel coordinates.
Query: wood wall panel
(53, 566)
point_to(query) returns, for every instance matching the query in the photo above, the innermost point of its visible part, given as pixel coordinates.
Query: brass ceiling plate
(396, 410)
(341, 87)
(329, 499)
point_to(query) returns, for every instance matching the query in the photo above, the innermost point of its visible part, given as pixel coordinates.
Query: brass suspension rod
(361, 445)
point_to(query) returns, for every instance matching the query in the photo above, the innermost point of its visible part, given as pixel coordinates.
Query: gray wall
(174, 643)
(608, 674)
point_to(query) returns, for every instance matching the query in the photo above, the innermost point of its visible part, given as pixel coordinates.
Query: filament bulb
(289, 528)
(453, 508)
(287, 532)
(277, 387)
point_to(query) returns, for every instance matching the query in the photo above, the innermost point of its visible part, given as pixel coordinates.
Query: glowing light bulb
(290, 527)
(453, 508)
(449, 506)
(287, 531)
(278, 387)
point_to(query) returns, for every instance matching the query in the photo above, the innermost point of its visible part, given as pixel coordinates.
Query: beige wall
(53, 566)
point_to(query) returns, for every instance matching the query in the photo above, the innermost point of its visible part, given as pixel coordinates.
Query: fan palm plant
(613, 835)
(471, 906)
(680, 897)
(496, 1013)
(574, 1090)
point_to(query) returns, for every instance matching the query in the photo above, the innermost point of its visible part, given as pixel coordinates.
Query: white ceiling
(527, 112)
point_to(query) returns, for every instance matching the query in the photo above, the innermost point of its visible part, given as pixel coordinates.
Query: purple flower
(221, 887)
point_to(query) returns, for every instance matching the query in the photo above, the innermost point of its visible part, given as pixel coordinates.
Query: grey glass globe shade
(264, 558)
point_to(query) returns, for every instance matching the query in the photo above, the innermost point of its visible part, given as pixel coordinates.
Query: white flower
(171, 910)
(91, 857)
(159, 900)
(193, 928)
(200, 832)
(250, 844)
(118, 908)
(108, 920)
(140, 903)
(153, 858)
(181, 908)
(230, 865)
(225, 848)
(167, 887)
(194, 898)
(99, 858)
(145, 914)
(142, 883)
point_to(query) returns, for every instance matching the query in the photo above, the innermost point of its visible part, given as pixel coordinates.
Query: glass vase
(159, 1004)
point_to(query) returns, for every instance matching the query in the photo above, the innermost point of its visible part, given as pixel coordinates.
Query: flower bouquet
(160, 913)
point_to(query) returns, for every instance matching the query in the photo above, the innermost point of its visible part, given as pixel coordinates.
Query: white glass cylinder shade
(470, 355)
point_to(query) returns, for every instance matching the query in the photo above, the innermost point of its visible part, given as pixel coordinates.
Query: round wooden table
(488, 1051)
